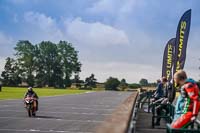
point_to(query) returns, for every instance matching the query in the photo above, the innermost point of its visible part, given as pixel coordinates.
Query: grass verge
(18, 93)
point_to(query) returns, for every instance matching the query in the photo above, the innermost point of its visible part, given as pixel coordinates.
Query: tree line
(116, 84)
(53, 65)
(43, 64)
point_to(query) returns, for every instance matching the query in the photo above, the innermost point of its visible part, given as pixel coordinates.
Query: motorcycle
(29, 105)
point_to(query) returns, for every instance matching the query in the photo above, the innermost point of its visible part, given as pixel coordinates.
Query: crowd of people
(187, 104)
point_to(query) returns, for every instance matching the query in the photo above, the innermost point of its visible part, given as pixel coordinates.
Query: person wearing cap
(31, 93)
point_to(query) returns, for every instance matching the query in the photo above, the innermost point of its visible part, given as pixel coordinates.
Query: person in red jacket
(190, 93)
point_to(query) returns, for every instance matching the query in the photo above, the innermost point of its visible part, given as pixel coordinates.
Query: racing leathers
(188, 104)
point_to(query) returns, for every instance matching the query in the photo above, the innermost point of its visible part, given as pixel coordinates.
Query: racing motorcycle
(29, 101)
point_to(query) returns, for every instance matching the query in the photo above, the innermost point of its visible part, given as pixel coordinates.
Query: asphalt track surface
(80, 113)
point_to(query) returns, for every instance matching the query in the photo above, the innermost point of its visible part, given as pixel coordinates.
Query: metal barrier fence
(168, 116)
(131, 128)
(138, 103)
(144, 98)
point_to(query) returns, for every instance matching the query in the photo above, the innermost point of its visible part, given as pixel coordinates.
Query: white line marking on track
(89, 92)
(79, 108)
(97, 105)
(88, 108)
(47, 105)
(42, 131)
(49, 112)
(34, 130)
(88, 121)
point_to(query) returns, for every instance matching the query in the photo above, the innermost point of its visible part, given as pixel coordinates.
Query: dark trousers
(159, 111)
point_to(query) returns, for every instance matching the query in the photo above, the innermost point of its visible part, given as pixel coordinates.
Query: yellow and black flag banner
(182, 35)
(168, 59)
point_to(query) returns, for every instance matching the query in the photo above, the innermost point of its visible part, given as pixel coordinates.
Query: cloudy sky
(120, 38)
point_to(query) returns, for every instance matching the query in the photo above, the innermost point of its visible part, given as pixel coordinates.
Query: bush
(144, 82)
(112, 84)
(134, 86)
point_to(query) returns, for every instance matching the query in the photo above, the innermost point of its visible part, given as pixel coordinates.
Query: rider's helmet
(30, 89)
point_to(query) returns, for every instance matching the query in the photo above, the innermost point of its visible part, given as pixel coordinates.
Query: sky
(118, 38)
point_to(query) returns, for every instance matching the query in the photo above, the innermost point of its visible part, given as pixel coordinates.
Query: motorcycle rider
(32, 94)
(188, 103)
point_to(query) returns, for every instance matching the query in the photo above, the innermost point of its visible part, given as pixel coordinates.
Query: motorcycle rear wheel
(33, 114)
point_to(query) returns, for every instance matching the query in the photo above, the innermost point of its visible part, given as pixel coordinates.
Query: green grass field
(18, 93)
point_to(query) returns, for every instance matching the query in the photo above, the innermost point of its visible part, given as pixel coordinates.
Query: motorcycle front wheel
(29, 112)
(33, 114)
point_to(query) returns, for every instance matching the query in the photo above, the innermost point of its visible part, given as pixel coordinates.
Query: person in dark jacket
(166, 99)
(31, 93)
(159, 90)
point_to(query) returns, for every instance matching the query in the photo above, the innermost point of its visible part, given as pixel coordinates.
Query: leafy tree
(77, 81)
(69, 60)
(144, 82)
(123, 85)
(10, 76)
(25, 53)
(112, 83)
(48, 64)
(90, 81)
(44, 64)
